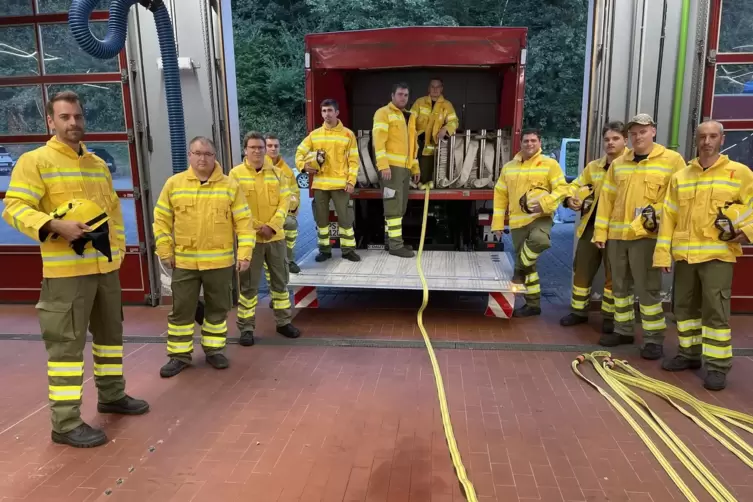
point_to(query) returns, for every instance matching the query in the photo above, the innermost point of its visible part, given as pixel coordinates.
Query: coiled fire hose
(620, 376)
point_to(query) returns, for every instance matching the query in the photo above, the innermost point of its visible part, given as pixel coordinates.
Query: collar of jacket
(396, 109)
(722, 161)
(267, 164)
(279, 163)
(603, 161)
(656, 151)
(215, 176)
(440, 99)
(519, 156)
(338, 127)
(66, 150)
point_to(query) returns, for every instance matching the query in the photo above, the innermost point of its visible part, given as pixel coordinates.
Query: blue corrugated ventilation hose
(110, 47)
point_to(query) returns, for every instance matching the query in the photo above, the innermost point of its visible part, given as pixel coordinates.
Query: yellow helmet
(90, 214)
(731, 219)
(531, 196)
(585, 194)
(645, 222)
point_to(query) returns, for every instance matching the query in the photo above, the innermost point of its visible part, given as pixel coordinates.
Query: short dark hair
(615, 126)
(529, 131)
(330, 102)
(202, 139)
(271, 136)
(253, 135)
(400, 85)
(437, 79)
(67, 96)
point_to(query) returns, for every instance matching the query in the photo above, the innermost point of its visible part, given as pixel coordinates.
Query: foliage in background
(269, 52)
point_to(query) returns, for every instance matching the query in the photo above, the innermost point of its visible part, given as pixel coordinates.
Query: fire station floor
(308, 420)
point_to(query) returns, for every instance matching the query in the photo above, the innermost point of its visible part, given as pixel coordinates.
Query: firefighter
(196, 218)
(395, 148)
(291, 221)
(630, 207)
(583, 196)
(435, 119)
(331, 154)
(62, 196)
(267, 190)
(708, 213)
(520, 190)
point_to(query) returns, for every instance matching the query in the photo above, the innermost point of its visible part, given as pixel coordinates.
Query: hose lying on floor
(620, 376)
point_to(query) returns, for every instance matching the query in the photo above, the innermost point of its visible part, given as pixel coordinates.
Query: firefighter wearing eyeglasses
(524, 186)
(708, 214)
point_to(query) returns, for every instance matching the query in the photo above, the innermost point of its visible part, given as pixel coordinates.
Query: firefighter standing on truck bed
(196, 218)
(395, 148)
(62, 196)
(267, 190)
(291, 221)
(583, 196)
(435, 120)
(629, 209)
(523, 183)
(330, 153)
(708, 212)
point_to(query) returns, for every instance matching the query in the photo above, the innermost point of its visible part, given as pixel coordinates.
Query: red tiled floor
(351, 424)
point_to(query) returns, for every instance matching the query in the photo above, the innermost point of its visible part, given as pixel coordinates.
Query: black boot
(613, 340)
(652, 351)
(573, 320)
(172, 368)
(289, 331)
(402, 252)
(526, 311)
(679, 363)
(518, 277)
(715, 380)
(294, 268)
(218, 361)
(322, 257)
(247, 339)
(83, 436)
(607, 326)
(124, 406)
(351, 256)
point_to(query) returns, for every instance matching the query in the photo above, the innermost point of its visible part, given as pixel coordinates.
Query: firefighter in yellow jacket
(61, 195)
(196, 219)
(521, 190)
(291, 221)
(708, 212)
(267, 191)
(583, 196)
(330, 154)
(435, 120)
(395, 148)
(630, 207)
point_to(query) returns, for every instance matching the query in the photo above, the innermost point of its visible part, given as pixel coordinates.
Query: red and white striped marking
(304, 297)
(500, 305)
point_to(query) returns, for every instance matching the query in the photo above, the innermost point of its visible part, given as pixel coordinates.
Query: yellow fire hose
(457, 462)
(620, 376)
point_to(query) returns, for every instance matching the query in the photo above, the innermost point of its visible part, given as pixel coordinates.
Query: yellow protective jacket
(593, 174)
(49, 176)
(687, 231)
(340, 157)
(629, 187)
(268, 194)
(196, 223)
(430, 119)
(519, 176)
(394, 138)
(295, 192)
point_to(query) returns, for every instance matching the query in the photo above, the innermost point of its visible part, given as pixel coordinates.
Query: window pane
(18, 56)
(22, 110)
(739, 146)
(736, 26)
(47, 6)
(118, 160)
(128, 207)
(9, 154)
(103, 105)
(733, 92)
(15, 8)
(62, 53)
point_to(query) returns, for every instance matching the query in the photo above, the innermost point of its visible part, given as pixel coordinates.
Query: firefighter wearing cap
(62, 196)
(522, 191)
(629, 209)
(267, 190)
(196, 219)
(583, 196)
(330, 153)
(435, 120)
(707, 213)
